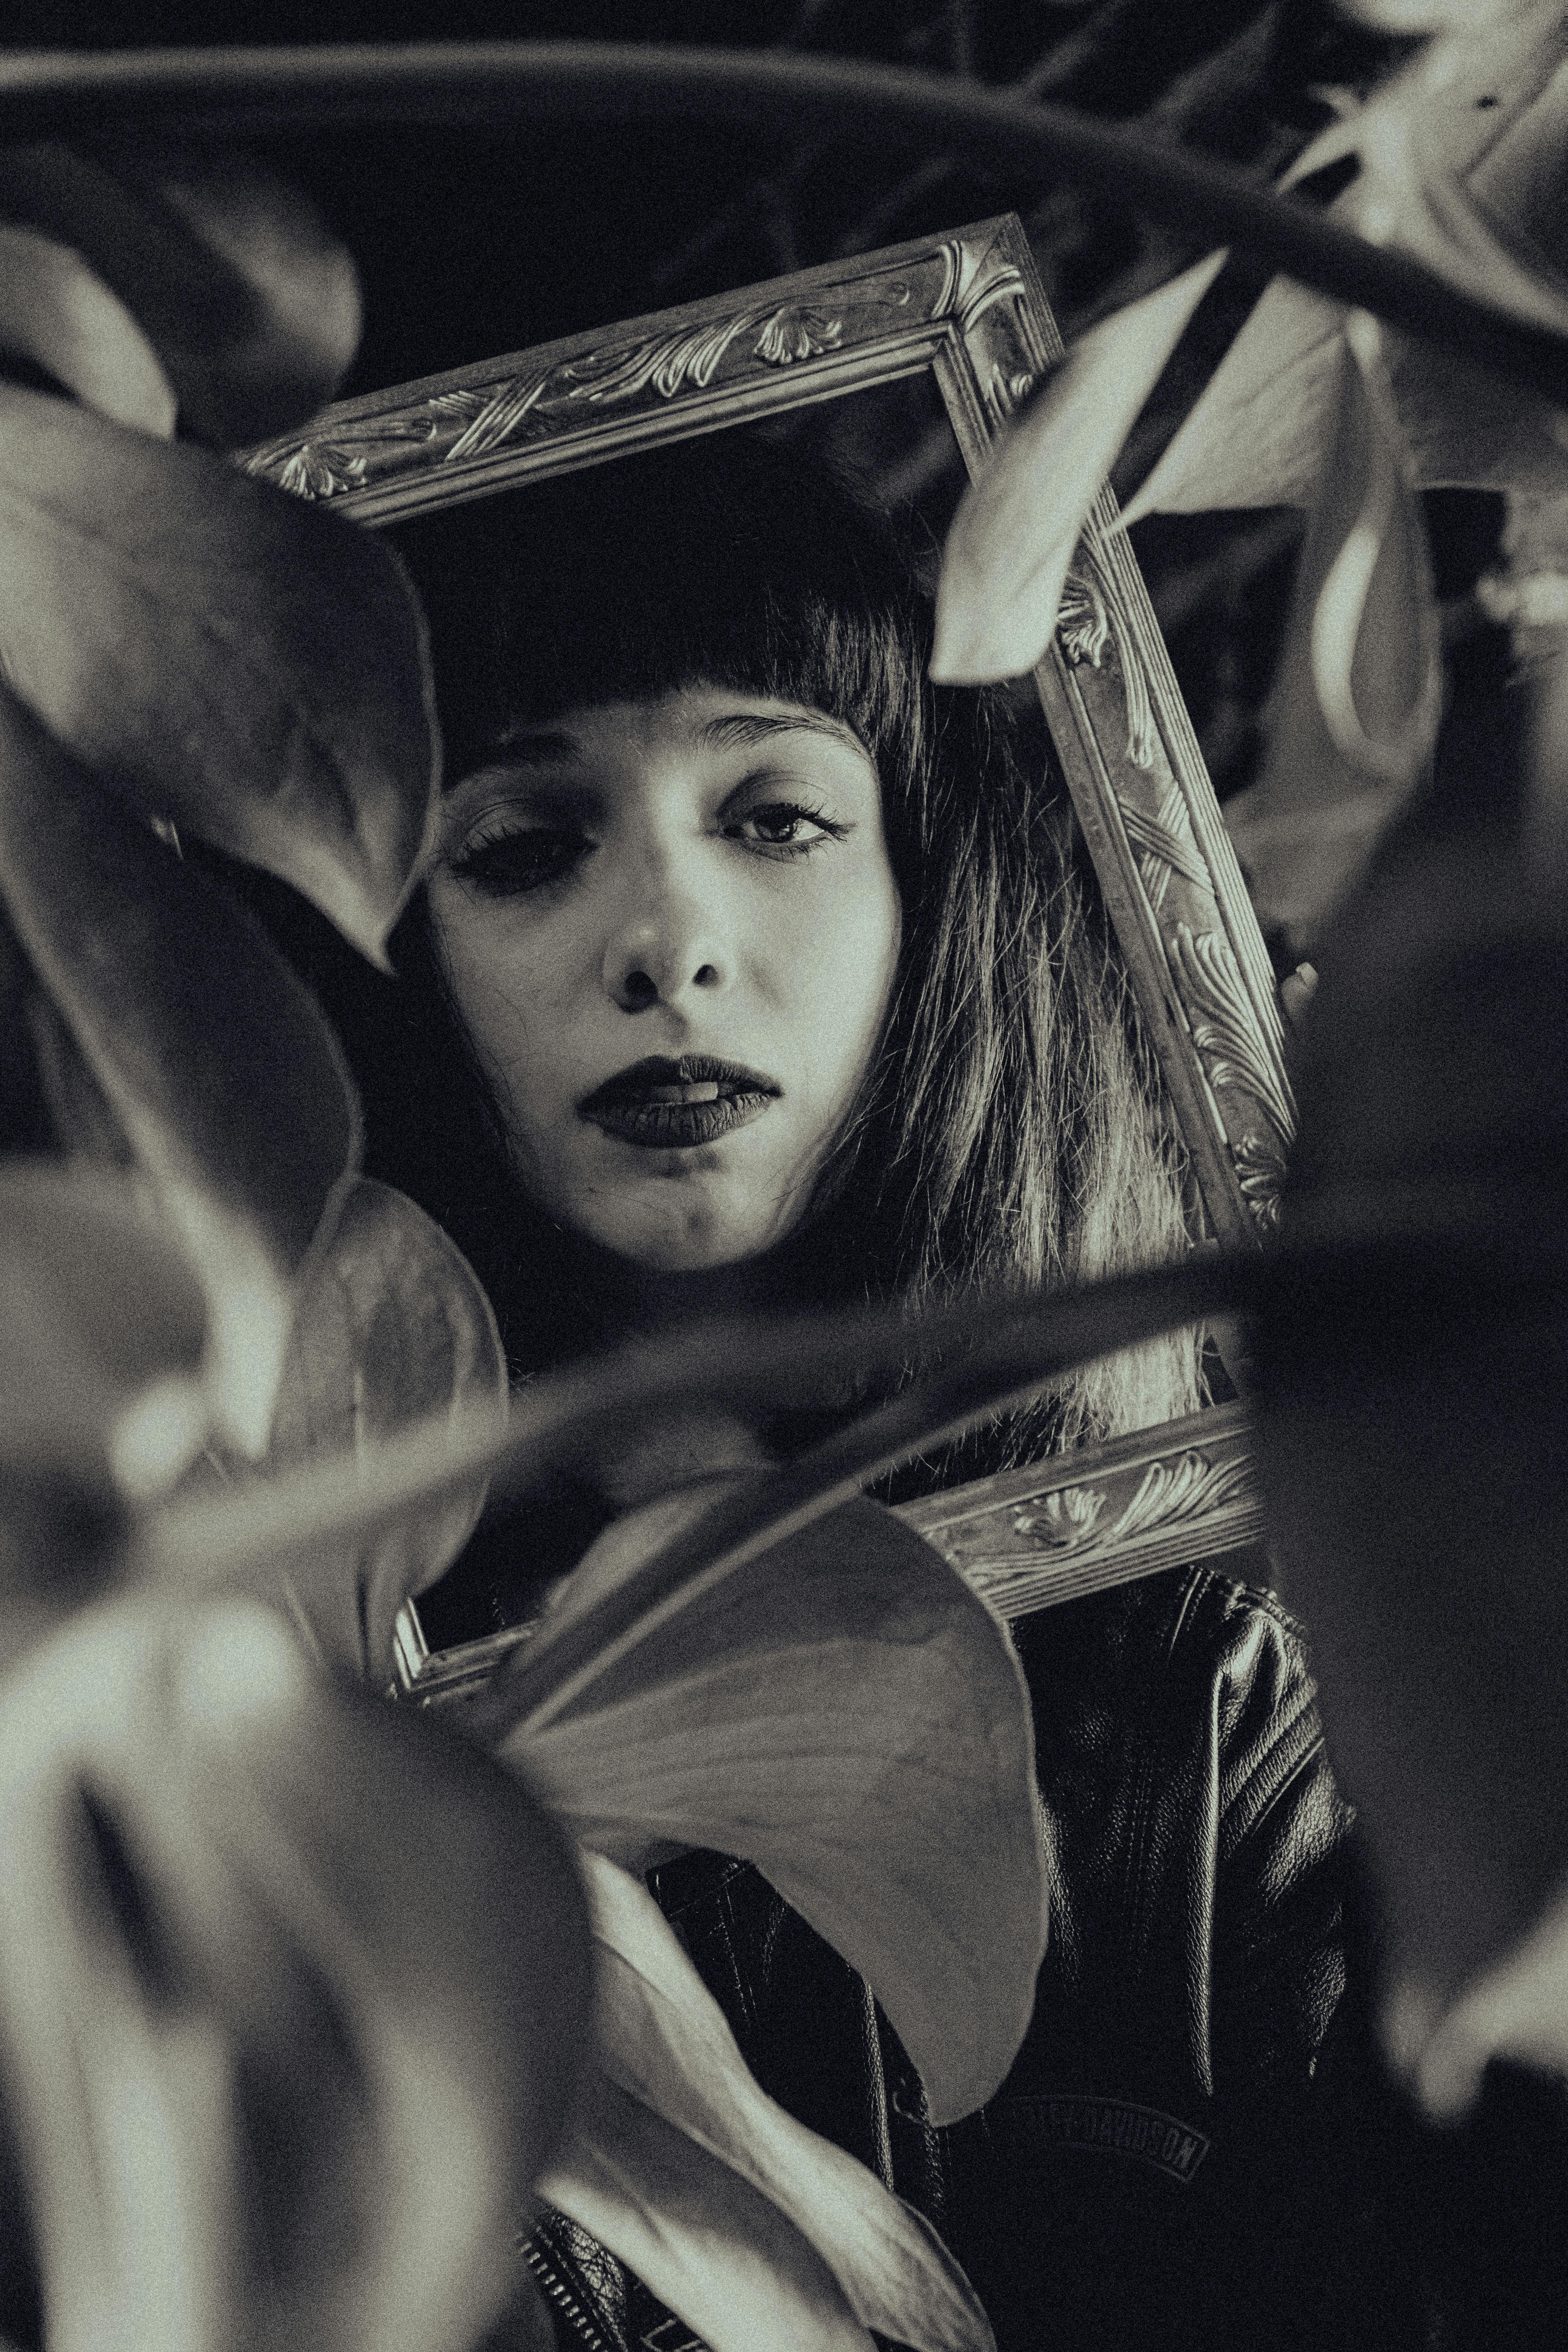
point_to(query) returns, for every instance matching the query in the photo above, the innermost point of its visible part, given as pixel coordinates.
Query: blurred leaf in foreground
(1017, 527)
(251, 305)
(99, 1309)
(296, 1993)
(756, 2231)
(1458, 159)
(844, 1712)
(1414, 1386)
(222, 654)
(1409, 16)
(1357, 695)
(842, 1709)
(226, 1078)
(391, 1327)
(101, 1396)
(56, 313)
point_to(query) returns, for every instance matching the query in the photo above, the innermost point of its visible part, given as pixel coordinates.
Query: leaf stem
(295, 88)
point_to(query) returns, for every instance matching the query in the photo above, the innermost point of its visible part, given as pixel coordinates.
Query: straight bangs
(731, 562)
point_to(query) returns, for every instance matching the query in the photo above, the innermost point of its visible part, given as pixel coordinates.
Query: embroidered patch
(1118, 2128)
(672, 2335)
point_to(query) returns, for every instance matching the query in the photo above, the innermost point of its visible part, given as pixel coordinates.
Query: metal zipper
(558, 2292)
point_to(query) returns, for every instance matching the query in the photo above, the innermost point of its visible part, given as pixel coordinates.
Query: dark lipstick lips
(641, 1105)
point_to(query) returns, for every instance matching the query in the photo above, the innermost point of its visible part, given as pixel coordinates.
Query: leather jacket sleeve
(1164, 2153)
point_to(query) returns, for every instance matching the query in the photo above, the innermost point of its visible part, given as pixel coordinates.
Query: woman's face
(670, 929)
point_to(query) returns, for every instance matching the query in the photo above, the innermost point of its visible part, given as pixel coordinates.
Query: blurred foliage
(558, 234)
(128, 1054)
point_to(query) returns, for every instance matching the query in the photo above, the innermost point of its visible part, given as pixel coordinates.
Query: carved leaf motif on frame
(1225, 1034)
(1066, 1519)
(471, 423)
(1153, 793)
(1094, 622)
(977, 277)
(1071, 1518)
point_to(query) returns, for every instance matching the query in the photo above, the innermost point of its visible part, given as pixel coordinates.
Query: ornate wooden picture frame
(966, 307)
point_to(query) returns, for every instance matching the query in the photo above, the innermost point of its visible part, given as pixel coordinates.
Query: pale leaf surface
(222, 1072)
(1014, 536)
(865, 1739)
(722, 2256)
(101, 1398)
(1458, 159)
(1355, 700)
(367, 1925)
(664, 2041)
(1414, 16)
(96, 1304)
(55, 311)
(251, 302)
(227, 656)
(1400, 198)
(1505, 57)
(1259, 432)
(392, 1328)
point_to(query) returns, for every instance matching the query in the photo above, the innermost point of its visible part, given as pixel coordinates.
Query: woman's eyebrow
(746, 727)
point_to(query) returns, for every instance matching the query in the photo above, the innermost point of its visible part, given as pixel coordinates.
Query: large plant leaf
(1458, 163)
(723, 2258)
(55, 311)
(1263, 427)
(227, 656)
(1006, 562)
(663, 2042)
(1409, 16)
(843, 1711)
(1413, 1382)
(1357, 697)
(296, 1991)
(251, 304)
(392, 1328)
(98, 1308)
(220, 1068)
(1259, 432)
(980, 1359)
(102, 1403)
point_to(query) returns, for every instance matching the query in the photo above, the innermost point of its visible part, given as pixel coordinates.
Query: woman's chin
(700, 1240)
(676, 1254)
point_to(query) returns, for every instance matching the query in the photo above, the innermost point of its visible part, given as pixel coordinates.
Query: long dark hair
(1009, 1129)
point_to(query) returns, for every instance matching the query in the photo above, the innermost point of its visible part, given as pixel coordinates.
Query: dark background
(475, 242)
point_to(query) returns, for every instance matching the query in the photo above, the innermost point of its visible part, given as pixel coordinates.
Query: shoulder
(1193, 1668)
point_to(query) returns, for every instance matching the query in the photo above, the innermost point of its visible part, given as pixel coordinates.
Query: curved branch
(248, 90)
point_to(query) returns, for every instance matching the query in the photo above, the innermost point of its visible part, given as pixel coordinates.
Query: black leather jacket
(1175, 2159)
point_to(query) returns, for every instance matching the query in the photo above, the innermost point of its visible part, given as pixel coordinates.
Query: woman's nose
(665, 954)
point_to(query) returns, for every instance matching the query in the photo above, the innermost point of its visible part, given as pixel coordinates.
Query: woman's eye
(783, 824)
(505, 865)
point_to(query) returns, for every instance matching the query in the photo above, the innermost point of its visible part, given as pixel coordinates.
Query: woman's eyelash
(515, 858)
(510, 860)
(788, 816)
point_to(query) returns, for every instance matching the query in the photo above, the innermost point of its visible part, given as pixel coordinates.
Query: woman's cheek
(851, 978)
